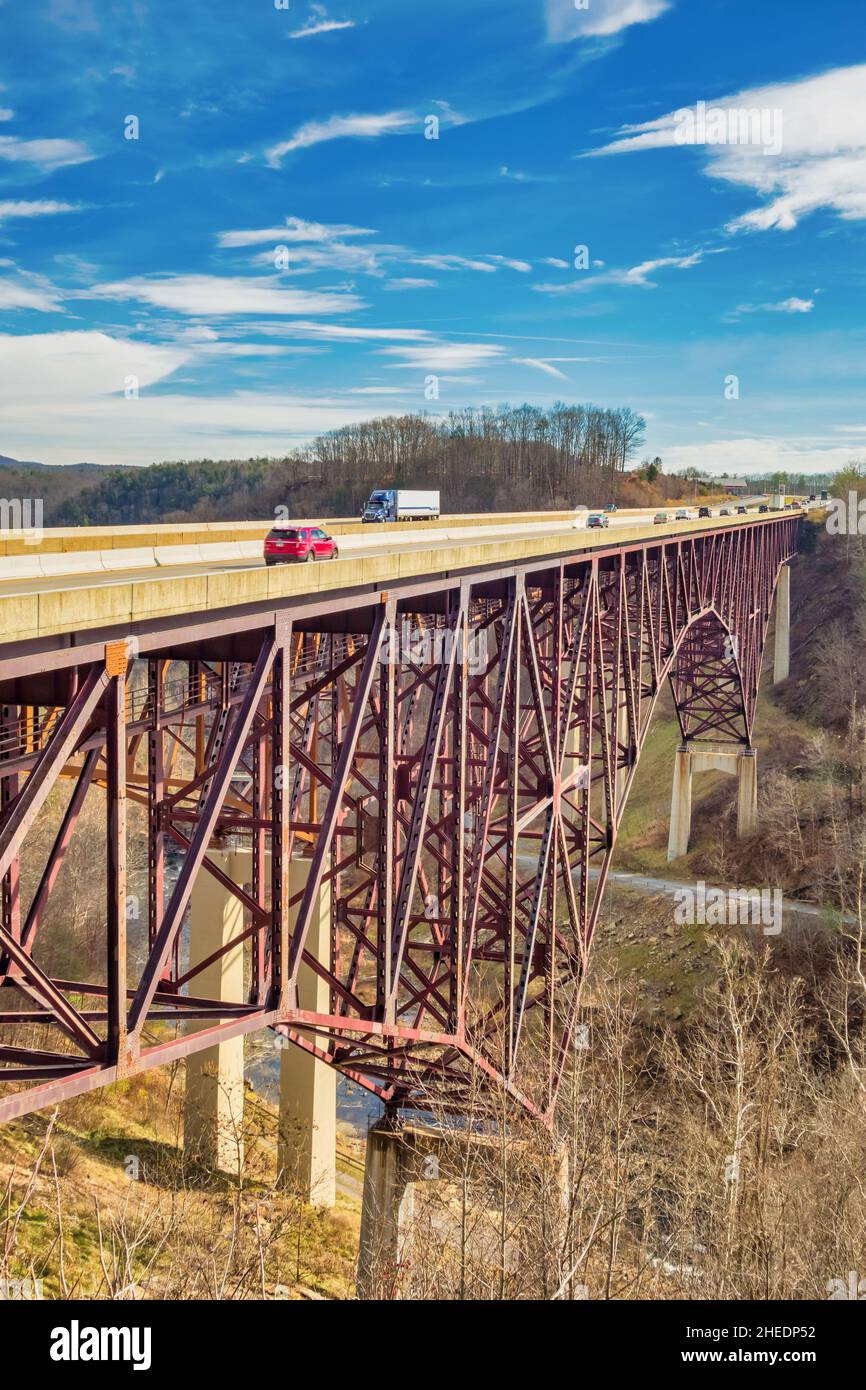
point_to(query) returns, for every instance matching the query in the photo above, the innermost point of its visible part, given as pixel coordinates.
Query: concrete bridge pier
(307, 1152)
(399, 1158)
(214, 1105)
(782, 642)
(703, 757)
(213, 1125)
(386, 1209)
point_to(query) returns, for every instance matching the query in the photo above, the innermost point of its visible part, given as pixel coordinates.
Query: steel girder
(453, 757)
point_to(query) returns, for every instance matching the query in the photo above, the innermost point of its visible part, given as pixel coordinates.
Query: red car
(298, 543)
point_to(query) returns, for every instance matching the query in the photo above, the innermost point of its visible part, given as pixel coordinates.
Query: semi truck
(401, 504)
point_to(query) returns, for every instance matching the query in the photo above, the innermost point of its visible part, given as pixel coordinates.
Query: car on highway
(742, 511)
(704, 511)
(660, 519)
(725, 511)
(682, 514)
(286, 544)
(611, 507)
(596, 519)
(762, 507)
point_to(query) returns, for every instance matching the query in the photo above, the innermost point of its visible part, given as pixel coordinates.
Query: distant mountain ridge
(8, 462)
(56, 487)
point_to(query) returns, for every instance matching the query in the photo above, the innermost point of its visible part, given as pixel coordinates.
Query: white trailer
(402, 504)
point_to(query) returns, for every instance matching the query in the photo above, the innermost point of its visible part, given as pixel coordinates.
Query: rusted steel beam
(116, 657)
(58, 849)
(344, 764)
(223, 772)
(23, 812)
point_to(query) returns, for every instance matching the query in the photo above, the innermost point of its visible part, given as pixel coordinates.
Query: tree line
(503, 459)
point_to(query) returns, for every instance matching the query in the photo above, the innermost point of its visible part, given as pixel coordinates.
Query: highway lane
(355, 546)
(350, 546)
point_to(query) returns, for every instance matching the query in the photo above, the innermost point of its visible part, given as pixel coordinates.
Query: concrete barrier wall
(93, 538)
(49, 564)
(35, 563)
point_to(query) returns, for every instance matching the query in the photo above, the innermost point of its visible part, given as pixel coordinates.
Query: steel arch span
(452, 757)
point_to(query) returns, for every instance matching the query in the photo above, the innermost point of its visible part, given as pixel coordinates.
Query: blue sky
(283, 249)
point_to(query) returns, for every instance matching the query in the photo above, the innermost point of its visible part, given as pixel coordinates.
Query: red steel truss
(453, 756)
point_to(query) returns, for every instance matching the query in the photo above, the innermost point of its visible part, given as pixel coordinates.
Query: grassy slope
(190, 1228)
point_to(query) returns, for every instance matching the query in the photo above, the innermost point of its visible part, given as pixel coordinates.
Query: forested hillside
(482, 460)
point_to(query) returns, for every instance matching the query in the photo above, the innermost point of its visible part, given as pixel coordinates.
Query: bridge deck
(33, 607)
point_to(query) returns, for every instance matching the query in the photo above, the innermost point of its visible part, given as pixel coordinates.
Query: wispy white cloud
(341, 333)
(379, 390)
(821, 162)
(295, 229)
(409, 282)
(541, 365)
(598, 18)
(6, 113)
(444, 357)
(26, 291)
(522, 266)
(47, 154)
(637, 275)
(450, 262)
(39, 208)
(782, 306)
(334, 255)
(211, 295)
(341, 128)
(452, 116)
(319, 23)
(319, 246)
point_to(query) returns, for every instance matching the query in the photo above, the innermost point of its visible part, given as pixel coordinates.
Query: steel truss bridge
(454, 789)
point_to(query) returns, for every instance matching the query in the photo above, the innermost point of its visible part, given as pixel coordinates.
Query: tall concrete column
(747, 794)
(384, 1217)
(697, 757)
(681, 804)
(782, 645)
(307, 1150)
(214, 1103)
